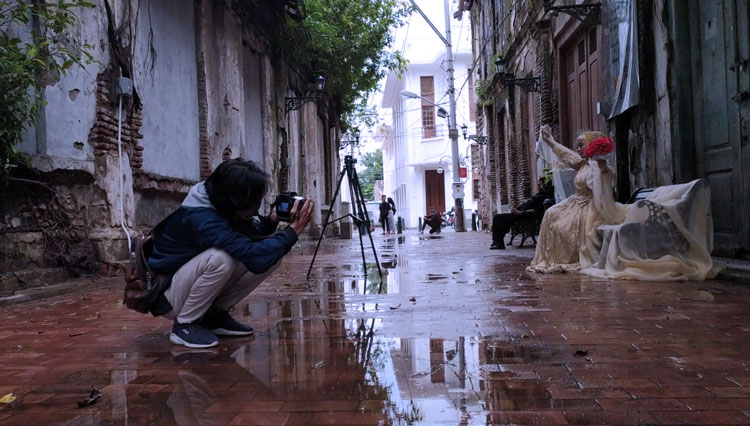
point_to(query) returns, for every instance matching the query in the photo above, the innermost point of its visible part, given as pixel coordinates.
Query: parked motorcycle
(449, 218)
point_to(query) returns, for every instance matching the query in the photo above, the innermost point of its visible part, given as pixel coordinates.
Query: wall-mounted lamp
(318, 86)
(588, 13)
(481, 140)
(530, 84)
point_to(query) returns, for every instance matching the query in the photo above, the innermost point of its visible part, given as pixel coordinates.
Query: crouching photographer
(217, 249)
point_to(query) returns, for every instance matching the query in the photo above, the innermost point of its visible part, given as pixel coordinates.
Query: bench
(528, 228)
(640, 194)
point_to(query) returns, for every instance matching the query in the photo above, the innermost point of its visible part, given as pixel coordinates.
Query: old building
(207, 85)
(667, 79)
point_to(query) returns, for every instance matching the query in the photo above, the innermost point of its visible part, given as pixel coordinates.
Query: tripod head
(349, 162)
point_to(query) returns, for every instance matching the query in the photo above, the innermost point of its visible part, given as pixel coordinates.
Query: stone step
(28, 278)
(65, 287)
(737, 270)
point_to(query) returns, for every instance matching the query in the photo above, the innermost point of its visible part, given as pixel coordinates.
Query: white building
(417, 162)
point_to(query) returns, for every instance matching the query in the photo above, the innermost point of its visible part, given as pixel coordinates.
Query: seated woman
(667, 236)
(567, 238)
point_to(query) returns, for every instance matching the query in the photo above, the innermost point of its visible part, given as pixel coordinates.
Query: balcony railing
(438, 131)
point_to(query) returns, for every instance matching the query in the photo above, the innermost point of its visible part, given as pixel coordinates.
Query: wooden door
(718, 37)
(582, 84)
(434, 189)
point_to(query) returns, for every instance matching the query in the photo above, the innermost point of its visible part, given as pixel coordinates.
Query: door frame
(686, 143)
(441, 190)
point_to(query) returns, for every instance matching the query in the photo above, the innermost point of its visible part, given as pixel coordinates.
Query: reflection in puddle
(405, 381)
(429, 237)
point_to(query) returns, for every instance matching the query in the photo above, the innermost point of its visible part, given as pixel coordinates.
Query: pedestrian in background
(384, 209)
(392, 215)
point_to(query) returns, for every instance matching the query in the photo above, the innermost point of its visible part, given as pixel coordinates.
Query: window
(475, 188)
(427, 88)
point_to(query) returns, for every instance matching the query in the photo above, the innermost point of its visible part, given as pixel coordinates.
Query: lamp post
(441, 112)
(457, 186)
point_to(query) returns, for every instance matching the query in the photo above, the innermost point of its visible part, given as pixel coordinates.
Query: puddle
(419, 381)
(436, 277)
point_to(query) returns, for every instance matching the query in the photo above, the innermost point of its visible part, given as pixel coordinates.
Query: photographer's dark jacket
(197, 226)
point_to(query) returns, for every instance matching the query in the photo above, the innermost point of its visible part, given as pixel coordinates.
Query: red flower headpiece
(599, 146)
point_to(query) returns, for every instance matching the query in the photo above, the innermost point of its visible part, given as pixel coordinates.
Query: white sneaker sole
(225, 332)
(175, 339)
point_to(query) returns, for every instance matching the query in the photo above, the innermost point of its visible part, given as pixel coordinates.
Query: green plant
(33, 51)
(372, 170)
(348, 41)
(547, 176)
(481, 89)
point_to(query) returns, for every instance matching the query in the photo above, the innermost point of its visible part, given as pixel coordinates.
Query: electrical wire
(119, 160)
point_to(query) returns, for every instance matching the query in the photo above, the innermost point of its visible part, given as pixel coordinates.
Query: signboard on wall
(462, 172)
(622, 25)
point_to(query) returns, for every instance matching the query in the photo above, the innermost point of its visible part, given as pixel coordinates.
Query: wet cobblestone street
(456, 335)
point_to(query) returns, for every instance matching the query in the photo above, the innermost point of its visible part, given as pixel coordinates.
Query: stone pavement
(456, 335)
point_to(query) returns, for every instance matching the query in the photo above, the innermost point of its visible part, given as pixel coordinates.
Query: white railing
(438, 131)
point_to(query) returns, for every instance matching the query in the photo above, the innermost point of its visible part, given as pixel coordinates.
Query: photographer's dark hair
(237, 184)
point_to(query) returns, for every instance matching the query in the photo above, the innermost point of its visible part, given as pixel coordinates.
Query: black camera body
(284, 203)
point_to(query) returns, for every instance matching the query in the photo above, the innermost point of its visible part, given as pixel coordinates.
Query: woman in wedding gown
(667, 236)
(567, 238)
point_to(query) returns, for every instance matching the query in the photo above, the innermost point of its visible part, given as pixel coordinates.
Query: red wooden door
(434, 189)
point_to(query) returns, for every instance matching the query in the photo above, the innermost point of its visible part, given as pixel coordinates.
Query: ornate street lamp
(530, 84)
(481, 140)
(318, 86)
(588, 13)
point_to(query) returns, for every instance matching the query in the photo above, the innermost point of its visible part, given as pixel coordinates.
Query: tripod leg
(361, 201)
(325, 223)
(357, 207)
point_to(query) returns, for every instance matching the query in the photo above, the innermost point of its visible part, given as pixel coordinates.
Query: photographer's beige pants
(212, 278)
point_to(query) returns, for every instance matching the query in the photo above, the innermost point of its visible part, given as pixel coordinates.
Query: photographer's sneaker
(222, 324)
(193, 335)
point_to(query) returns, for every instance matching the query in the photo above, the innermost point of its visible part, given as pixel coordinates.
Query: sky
(408, 39)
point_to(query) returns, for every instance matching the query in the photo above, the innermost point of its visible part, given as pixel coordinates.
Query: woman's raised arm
(566, 155)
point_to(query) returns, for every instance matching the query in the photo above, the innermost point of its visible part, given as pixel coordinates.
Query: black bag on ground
(142, 286)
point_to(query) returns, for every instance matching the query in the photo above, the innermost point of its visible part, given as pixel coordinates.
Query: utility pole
(457, 186)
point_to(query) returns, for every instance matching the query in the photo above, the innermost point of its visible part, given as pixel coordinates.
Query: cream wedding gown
(567, 237)
(667, 236)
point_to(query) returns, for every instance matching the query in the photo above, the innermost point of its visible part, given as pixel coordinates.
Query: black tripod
(359, 215)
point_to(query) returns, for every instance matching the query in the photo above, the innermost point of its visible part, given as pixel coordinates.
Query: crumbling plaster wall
(220, 36)
(63, 145)
(165, 78)
(189, 67)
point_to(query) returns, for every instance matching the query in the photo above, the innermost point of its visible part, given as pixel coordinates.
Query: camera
(284, 203)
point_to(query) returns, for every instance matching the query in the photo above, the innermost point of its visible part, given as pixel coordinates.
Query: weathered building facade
(667, 79)
(207, 86)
